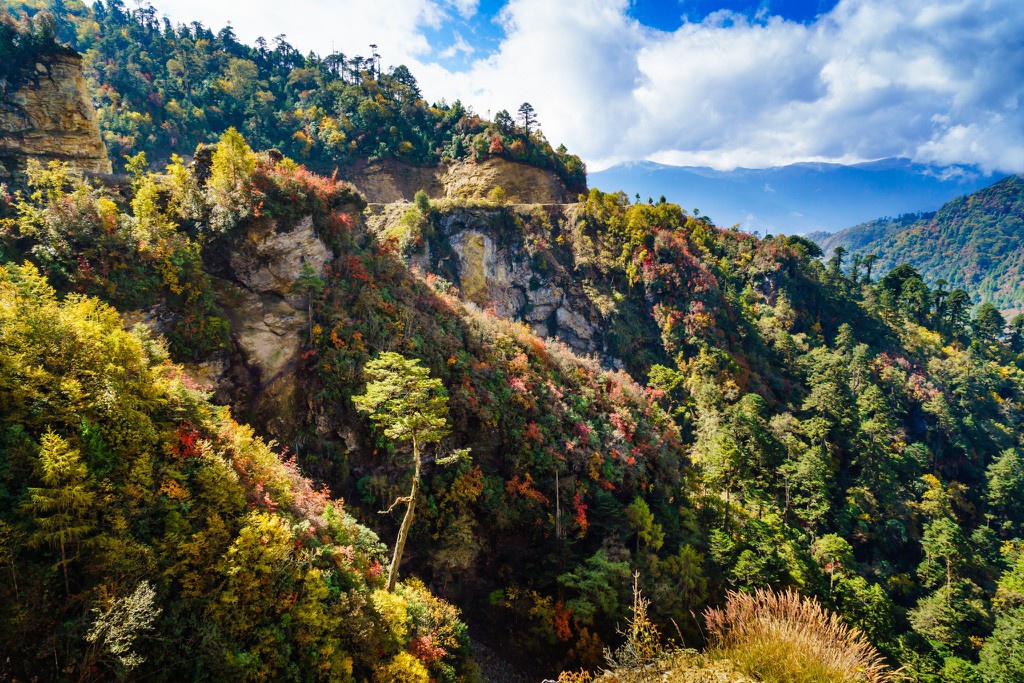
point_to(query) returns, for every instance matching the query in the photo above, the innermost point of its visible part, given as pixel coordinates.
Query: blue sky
(722, 83)
(669, 16)
(483, 30)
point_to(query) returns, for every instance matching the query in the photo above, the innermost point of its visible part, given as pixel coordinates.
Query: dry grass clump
(680, 666)
(786, 638)
(642, 658)
(764, 637)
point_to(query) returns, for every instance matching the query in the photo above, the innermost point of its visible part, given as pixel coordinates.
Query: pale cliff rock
(51, 118)
(523, 184)
(262, 375)
(268, 320)
(387, 181)
(493, 269)
(269, 261)
(488, 276)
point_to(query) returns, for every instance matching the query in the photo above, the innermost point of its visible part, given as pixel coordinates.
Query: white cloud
(935, 80)
(460, 46)
(465, 8)
(396, 27)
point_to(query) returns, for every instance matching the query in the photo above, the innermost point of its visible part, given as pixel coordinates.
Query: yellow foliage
(173, 490)
(497, 195)
(432, 617)
(394, 616)
(404, 668)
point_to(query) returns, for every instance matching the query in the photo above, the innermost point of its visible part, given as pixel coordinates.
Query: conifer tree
(61, 506)
(309, 284)
(409, 405)
(527, 116)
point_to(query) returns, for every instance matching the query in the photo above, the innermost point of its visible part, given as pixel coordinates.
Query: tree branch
(402, 499)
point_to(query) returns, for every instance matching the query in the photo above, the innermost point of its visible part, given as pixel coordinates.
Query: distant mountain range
(974, 242)
(798, 198)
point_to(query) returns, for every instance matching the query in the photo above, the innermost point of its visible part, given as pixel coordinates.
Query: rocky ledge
(50, 117)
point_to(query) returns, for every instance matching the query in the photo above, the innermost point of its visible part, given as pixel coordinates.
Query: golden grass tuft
(787, 638)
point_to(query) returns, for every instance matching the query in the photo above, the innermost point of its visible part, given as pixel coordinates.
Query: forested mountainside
(974, 242)
(798, 198)
(800, 426)
(162, 89)
(145, 533)
(727, 414)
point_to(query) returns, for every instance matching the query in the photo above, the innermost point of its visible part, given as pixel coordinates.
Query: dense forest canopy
(973, 242)
(22, 43)
(133, 514)
(163, 88)
(802, 425)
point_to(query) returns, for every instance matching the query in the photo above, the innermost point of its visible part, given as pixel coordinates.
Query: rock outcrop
(387, 181)
(50, 117)
(522, 183)
(269, 321)
(489, 264)
(493, 269)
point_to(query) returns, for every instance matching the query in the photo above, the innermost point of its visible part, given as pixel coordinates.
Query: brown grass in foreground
(764, 637)
(787, 638)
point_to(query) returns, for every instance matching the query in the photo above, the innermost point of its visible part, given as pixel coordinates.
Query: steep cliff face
(254, 274)
(50, 117)
(523, 184)
(500, 258)
(387, 181)
(269, 320)
(482, 245)
(493, 268)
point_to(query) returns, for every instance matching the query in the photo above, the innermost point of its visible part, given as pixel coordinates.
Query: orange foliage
(522, 485)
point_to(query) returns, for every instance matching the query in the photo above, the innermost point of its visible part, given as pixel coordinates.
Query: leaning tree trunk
(403, 531)
(64, 566)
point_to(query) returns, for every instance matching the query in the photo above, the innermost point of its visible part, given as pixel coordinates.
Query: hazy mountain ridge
(797, 198)
(975, 242)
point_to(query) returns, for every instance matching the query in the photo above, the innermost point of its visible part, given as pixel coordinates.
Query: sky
(720, 83)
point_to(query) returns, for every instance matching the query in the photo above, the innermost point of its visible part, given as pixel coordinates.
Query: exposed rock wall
(269, 321)
(262, 374)
(523, 184)
(493, 269)
(51, 117)
(387, 181)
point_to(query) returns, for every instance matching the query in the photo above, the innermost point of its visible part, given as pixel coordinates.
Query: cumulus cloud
(936, 81)
(459, 46)
(396, 27)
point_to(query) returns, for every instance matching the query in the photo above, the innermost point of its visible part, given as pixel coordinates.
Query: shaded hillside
(974, 242)
(798, 198)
